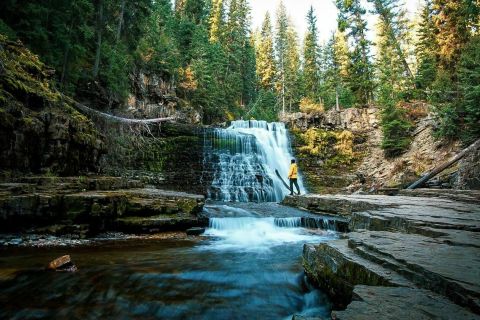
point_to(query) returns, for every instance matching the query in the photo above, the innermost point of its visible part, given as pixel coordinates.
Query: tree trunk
(444, 166)
(120, 21)
(86, 110)
(96, 65)
(66, 53)
(337, 104)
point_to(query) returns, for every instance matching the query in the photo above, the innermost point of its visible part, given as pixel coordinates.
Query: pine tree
(292, 69)
(360, 68)
(469, 82)
(281, 51)
(266, 69)
(391, 75)
(426, 50)
(311, 72)
(335, 91)
(454, 20)
(394, 28)
(216, 20)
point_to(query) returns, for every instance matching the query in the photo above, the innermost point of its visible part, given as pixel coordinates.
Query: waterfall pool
(247, 265)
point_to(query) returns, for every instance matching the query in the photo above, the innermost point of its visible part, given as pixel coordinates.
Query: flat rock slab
(395, 213)
(98, 209)
(453, 271)
(471, 196)
(433, 243)
(383, 303)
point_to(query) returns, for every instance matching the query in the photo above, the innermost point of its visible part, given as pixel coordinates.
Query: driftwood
(444, 166)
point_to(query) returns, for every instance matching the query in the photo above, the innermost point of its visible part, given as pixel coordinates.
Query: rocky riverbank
(404, 258)
(87, 206)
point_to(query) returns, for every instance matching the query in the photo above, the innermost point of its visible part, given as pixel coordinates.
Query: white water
(249, 152)
(260, 234)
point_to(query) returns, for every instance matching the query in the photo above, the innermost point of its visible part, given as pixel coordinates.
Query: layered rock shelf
(412, 256)
(87, 206)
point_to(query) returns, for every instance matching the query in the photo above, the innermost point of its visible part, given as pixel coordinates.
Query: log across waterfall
(243, 159)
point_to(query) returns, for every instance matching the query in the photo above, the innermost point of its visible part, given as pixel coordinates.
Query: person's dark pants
(294, 182)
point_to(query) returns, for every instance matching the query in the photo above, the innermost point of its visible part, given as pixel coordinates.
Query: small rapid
(261, 234)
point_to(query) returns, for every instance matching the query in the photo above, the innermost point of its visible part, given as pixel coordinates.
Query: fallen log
(87, 110)
(428, 175)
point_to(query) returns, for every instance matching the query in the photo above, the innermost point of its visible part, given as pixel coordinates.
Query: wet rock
(335, 268)
(195, 231)
(159, 223)
(428, 243)
(59, 212)
(63, 264)
(384, 303)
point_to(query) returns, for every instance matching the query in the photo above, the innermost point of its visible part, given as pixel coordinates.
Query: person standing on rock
(292, 176)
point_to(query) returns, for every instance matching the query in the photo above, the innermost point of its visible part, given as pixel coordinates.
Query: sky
(325, 10)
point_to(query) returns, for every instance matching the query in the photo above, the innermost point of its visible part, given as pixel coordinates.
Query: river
(247, 265)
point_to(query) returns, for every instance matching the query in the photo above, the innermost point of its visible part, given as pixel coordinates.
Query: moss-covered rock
(327, 159)
(38, 131)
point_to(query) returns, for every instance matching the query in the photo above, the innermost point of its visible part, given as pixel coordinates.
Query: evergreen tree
(311, 72)
(266, 69)
(335, 91)
(292, 70)
(391, 78)
(394, 30)
(216, 20)
(469, 82)
(426, 50)
(360, 68)
(281, 51)
(454, 20)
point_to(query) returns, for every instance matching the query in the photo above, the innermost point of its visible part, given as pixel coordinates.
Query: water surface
(244, 267)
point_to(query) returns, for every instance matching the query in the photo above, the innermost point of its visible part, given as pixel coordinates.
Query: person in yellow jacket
(293, 175)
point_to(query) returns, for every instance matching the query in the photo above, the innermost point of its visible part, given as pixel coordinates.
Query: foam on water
(258, 234)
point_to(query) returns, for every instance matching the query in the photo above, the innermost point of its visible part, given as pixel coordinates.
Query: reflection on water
(249, 271)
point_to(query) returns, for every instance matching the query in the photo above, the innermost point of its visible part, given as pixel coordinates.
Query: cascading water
(244, 158)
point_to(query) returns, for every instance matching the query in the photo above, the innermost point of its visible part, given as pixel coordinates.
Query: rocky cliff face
(40, 133)
(344, 152)
(154, 97)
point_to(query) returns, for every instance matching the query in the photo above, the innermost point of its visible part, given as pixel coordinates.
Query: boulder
(63, 263)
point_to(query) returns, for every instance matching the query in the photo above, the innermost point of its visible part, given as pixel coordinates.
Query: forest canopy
(216, 62)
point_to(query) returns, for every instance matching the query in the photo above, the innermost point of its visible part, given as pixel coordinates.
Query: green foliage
(395, 129)
(264, 107)
(311, 72)
(469, 82)
(360, 68)
(24, 76)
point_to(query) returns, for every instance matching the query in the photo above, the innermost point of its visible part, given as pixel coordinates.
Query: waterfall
(243, 160)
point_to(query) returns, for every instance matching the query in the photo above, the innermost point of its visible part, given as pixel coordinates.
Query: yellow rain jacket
(293, 172)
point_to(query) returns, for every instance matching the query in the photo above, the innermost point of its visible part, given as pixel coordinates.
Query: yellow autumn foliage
(336, 146)
(309, 106)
